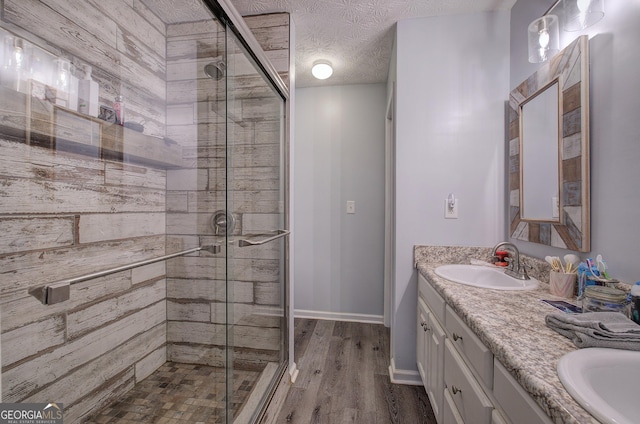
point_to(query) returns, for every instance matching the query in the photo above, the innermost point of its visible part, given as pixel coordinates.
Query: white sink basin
(484, 276)
(604, 382)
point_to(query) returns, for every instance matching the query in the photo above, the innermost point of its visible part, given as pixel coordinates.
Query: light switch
(351, 206)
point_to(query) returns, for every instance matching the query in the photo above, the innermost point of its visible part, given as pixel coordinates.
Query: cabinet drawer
(472, 403)
(514, 400)
(434, 301)
(451, 414)
(480, 358)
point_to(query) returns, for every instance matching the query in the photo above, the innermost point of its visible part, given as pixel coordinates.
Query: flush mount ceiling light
(322, 69)
(576, 15)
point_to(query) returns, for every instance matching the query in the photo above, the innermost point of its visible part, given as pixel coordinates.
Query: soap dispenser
(88, 94)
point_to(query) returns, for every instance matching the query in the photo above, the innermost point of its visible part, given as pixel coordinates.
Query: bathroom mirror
(539, 135)
(549, 152)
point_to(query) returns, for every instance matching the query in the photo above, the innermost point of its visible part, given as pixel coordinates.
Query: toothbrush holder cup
(561, 284)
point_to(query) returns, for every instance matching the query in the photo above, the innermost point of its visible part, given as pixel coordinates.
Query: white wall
(339, 156)
(452, 83)
(615, 133)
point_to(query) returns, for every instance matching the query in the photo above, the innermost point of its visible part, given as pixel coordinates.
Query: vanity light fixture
(544, 39)
(575, 15)
(322, 69)
(580, 14)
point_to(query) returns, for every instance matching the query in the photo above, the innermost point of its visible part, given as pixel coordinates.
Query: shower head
(215, 70)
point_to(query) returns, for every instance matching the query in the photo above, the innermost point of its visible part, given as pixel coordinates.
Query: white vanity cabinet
(464, 382)
(430, 344)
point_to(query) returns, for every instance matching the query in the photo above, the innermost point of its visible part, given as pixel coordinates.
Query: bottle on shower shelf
(118, 106)
(88, 94)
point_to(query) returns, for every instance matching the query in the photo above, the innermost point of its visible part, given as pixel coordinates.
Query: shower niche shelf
(38, 122)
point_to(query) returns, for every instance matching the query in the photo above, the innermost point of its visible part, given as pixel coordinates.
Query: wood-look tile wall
(64, 214)
(196, 112)
(121, 39)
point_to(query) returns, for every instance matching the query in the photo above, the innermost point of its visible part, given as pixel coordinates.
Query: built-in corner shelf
(38, 122)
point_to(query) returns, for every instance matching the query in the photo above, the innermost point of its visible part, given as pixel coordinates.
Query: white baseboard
(339, 316)
(408, 377)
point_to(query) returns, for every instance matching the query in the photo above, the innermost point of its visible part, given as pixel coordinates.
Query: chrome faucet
(517, 268)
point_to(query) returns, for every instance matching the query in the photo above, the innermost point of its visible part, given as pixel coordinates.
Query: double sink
(603, 381)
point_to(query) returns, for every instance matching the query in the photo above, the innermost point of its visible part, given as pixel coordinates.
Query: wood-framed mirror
(552, 210)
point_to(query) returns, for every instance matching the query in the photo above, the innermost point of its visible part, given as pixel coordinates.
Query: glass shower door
(256, 255)
(142, 257)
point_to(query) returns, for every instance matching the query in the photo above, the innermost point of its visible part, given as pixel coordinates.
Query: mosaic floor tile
(180, 394)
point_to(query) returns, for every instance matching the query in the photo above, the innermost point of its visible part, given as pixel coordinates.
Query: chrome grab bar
(59, 291)
(279, 234)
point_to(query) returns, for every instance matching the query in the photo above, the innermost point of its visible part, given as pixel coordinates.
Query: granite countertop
(512, 325)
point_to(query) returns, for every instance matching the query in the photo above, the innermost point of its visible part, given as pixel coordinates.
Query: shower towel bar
(279, 234)
(59, 291)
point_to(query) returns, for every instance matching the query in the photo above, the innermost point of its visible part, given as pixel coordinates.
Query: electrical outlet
(351, 206)
(451, 212)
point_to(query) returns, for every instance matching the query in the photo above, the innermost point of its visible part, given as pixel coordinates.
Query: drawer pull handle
(456, 338)
(455, 390)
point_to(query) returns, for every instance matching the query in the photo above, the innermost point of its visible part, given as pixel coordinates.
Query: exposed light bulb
(544, 39)
(580, 14)
(542, 55)
(18, 52)
(583, 5)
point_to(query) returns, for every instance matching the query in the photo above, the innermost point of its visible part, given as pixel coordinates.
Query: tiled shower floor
(180, 393)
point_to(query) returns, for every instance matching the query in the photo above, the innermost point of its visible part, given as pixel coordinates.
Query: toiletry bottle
(499, 259)
(88, 94)
(17, 65)
(74, 86)
(62, 82)
(635, 303)
(118, 106)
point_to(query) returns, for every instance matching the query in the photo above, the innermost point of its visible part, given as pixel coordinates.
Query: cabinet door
(450, 414)
(435, 365)
(473, 404)
(517, 404)
(421, 340)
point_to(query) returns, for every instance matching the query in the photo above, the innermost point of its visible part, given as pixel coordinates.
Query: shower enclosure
(143, 210)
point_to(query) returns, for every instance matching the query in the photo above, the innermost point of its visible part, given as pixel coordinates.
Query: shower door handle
(279, 234)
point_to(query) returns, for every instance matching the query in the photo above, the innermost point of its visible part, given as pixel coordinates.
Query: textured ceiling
(354, 35)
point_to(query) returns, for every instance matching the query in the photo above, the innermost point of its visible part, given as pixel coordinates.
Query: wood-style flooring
(344, 378)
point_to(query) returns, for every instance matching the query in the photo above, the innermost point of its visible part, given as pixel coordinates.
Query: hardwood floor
(344, 378)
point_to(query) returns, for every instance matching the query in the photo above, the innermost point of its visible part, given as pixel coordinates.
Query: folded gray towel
(597, 329)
